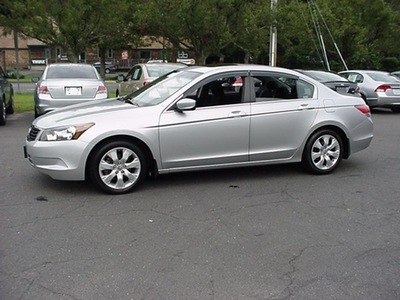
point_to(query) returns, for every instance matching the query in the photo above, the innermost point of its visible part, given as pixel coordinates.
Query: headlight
(65, 133)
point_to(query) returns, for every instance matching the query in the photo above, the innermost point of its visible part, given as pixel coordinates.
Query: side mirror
(35, 79)
(121, 78)
(185, 104)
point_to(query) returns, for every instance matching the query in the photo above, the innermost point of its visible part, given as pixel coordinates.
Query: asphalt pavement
(252, 233)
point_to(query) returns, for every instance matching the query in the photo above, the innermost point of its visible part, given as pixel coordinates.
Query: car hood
(82, 113)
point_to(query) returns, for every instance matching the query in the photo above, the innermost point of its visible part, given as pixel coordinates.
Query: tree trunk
(102, 52)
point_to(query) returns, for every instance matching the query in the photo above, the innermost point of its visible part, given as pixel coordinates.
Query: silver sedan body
(142, 74)
(65, 84)
(378, 88)
(192, 119)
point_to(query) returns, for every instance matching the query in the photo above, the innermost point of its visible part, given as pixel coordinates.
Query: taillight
(146, 83)
(43, 89)
(364, 109)
(101, 89)
(357, 90)
(383, 88)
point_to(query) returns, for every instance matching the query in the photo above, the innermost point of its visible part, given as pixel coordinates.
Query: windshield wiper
(127, 99)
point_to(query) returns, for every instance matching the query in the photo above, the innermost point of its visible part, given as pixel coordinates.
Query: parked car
(187, 121)
(334, 82)
(377, 88)
(396, 74)
(108, 66)
(6, 97)
(142, 74)
(64, 84)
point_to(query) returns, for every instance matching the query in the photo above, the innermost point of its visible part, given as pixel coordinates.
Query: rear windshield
(325, 76)
(381, 76)
(158, 71)
(64, 72)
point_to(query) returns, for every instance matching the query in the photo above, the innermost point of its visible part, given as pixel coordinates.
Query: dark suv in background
(6, 97)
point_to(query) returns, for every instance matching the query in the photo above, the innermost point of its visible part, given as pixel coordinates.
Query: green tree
(366, 38)
(74, 25)
(250, 26)
(208, 26)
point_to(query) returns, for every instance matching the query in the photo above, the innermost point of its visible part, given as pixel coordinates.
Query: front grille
(33, 133)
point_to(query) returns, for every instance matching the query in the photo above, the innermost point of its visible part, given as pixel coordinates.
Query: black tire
(364, 98)
(395, 109)
(10, 108)
(3, 114)
(117, 167)
(323, 152)
(36, 113)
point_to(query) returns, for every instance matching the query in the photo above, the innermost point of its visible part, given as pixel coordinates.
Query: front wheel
(3, 114)
(10, 108)
(118, 167)
(323, 152)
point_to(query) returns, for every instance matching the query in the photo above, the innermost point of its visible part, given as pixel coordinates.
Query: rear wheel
(118, 167)
(395, 109)
(323, 152)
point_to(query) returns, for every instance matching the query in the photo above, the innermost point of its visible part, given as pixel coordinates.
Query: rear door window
(269, 86)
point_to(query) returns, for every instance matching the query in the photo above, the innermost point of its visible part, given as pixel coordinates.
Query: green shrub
(12, 74)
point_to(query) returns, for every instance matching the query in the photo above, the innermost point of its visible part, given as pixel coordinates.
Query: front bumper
(61, 160)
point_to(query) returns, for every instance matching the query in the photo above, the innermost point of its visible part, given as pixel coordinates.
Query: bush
(12, 74)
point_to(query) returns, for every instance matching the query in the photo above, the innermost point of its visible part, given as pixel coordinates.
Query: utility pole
(273, 36)
(16, 57)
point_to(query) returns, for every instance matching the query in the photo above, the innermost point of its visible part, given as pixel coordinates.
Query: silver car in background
(377, 88)
(191, 119)
(64, 84)
(334, 81)
(142, 74)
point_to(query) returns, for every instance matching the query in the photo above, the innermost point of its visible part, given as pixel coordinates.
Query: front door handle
(237, 114)
(303, 106)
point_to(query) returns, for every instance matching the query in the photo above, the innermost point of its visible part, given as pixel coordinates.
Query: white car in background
(142, 74)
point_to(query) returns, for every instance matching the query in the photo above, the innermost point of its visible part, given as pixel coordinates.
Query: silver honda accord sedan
(193, 119)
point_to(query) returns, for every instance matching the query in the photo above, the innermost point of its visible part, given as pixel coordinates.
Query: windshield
(163, 87)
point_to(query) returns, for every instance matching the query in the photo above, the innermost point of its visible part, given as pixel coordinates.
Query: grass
(23, 78)
(24, 101)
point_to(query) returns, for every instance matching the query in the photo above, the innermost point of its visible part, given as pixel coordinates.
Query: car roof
(69, 65)
(162, 64)
(242, 67)
(365, 71)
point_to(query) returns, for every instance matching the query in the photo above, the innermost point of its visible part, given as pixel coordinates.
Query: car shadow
(382, 111)
(230, 177)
